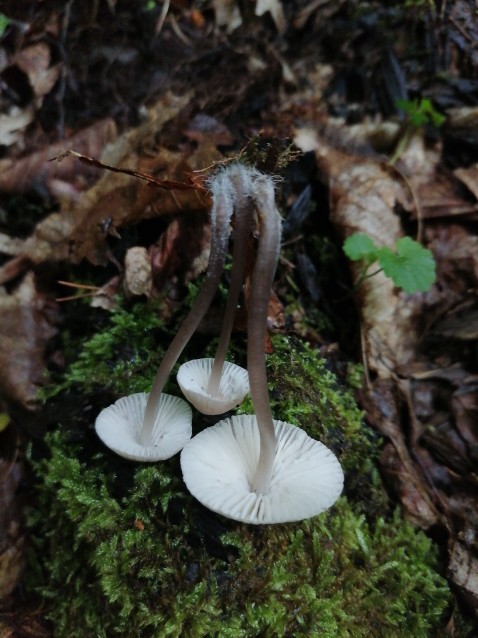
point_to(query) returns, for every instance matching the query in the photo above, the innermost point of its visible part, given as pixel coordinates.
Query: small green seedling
(4, 421)
(421, 112)
(4, 22)
(410, 266)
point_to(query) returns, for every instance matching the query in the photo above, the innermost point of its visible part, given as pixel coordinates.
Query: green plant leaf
(411, 267)
(4, 22)
(360, 246)
(421, 113)
(4, 421)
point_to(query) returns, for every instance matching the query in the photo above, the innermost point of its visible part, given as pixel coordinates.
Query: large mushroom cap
(193, 378)
(119, 427)
(219, 465)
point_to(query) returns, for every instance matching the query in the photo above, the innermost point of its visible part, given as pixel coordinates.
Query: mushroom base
(219, 466)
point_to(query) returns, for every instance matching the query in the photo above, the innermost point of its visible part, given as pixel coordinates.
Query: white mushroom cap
(193, 378)
(219, 465)
(119, 427)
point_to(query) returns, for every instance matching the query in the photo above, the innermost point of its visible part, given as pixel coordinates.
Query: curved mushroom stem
(240, 178)
(262, 278)
(220, 216)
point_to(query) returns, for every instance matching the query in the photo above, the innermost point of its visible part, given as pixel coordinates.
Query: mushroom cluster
(250, 468)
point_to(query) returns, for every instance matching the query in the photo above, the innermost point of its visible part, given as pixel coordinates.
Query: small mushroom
(215, 386)
(193, 379)
(219, 467)
(119, 427)
(220, 217)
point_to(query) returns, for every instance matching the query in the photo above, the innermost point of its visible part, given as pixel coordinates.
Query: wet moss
(122, 549)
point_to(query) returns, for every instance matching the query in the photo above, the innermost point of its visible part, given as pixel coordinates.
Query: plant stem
(269, 222)
(220, 217)
(240, 177)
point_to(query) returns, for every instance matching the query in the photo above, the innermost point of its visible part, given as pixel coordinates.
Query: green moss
(122, 549)
(121, 358)
(153, 562)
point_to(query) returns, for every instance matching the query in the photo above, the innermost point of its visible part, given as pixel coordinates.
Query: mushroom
(119, 427)
(215, 386)
(148, 425)
(222, 209)
(252, 468)
(220, 464)
(194, 376)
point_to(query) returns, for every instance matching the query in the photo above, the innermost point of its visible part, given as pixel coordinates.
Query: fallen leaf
(12, 564)
(469, 177)
(35, 62)
(382, 402)
(167, 254)
(10, 245)
(12, 558)
(274, 7)
(204, 127)
(81, 229)
(227, 14)
(364, 195)
(25, 329)
(34, 170)
(13, 123)
(463, 571)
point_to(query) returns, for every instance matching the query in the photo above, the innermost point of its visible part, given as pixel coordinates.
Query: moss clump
(121, 358)
(153, 562)
(121, 549)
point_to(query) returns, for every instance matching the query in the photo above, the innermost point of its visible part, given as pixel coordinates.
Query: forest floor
(368, 114)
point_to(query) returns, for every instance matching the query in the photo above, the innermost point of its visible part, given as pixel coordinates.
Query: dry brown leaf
(181, 238)
(34, 61)
(227, 14)
(274, 7)
(105, 297)
(10, 245)
(81, 229)
(456, 252)
(463, 571)
(26, 327)
(442, 196)
(12, 559)
(465, 413)
(364, 195)
(469, 177)
(13, 123)
(383, 408)
(12, 563)
(203, 127)
(34, 171)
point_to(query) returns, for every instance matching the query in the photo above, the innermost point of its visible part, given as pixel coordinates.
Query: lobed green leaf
(411, 267)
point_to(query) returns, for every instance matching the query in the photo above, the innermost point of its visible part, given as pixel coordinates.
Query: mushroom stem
(220, 217)
(269, 222)
(243, 216)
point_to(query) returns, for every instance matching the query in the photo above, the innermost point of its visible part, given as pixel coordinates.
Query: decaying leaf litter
(170, 94)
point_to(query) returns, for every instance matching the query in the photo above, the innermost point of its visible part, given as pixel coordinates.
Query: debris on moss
(120, 549)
